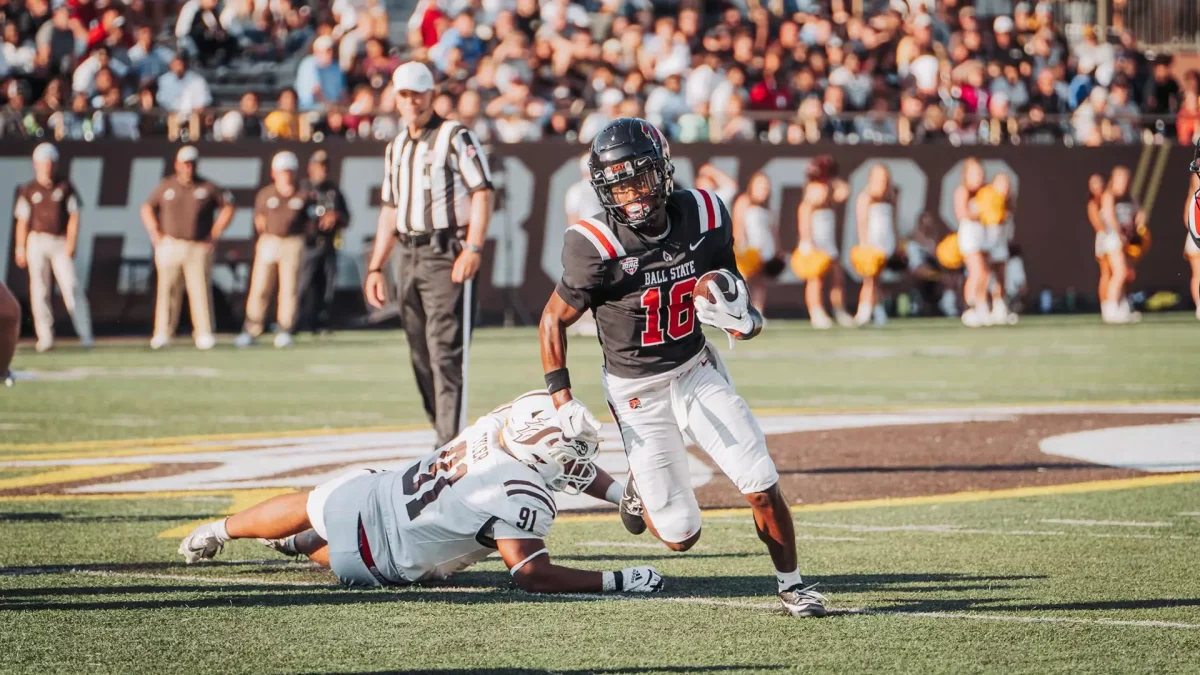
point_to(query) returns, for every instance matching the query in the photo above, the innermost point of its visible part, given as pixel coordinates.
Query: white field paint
(1155, 448)
(255, 462)
(1103, 523)
(710, 602)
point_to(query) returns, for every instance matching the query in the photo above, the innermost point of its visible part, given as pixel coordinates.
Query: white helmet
(532, 434)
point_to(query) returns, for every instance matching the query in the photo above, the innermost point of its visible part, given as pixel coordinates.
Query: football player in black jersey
(636, 266)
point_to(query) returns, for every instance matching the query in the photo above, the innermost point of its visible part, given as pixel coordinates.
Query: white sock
(613, 495)
(219, 528)
(788, 579)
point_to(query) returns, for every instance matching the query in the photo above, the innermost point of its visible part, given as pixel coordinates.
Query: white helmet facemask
(533, 436)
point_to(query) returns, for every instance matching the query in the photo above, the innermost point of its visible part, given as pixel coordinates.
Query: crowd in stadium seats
(785, 71)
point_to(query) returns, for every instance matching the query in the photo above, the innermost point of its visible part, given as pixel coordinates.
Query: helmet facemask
(634, 192)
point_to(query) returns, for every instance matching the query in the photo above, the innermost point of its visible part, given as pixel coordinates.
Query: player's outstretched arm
(576, 420)
(529, 564)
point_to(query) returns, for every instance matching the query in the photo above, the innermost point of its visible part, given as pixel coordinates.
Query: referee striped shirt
(429, 178)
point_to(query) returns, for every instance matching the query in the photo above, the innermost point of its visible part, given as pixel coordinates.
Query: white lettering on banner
(953, 179)
(360, 179)
(556, 216)
(786, 172)
(507, 229)
(124, 220)
(231, 173)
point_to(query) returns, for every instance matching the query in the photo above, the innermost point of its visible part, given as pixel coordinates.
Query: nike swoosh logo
(693, 247)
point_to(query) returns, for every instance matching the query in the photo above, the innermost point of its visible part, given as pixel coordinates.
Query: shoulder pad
(708, 208)
(600, 235)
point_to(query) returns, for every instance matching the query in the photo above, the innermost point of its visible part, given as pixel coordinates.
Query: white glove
(728, 315)
(577, 421)
(641, 580)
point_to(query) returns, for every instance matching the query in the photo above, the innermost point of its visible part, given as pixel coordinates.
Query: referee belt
(418, 239)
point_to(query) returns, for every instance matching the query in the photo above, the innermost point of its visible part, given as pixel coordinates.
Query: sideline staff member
(47, 214)
(280, 214)
(318, 273)
(437, 200)
(184, 216)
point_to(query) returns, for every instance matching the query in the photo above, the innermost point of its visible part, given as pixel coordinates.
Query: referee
(437, 200)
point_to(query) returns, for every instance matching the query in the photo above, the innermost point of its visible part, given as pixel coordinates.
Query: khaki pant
(47, 253)
(183, 263)
(275, 259)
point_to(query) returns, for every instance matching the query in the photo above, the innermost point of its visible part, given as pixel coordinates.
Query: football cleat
(632, 515)
(201, 544)
(286, 545)
(803, 601)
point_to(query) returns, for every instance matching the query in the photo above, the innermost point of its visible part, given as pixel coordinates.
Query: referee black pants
(431, 308)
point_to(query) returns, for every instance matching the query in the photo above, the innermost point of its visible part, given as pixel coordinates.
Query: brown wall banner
(522, 258)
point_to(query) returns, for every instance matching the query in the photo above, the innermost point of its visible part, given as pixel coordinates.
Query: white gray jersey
(445, 511)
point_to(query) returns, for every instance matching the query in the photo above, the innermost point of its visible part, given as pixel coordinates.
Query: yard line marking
(1017, 619)
(630, 544)
(1103, 523)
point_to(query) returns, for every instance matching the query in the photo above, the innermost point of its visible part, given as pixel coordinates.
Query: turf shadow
(494, 587)
(263, 567)
(65, 518)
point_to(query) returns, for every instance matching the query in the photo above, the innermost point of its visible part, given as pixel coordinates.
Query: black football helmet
(631, 158)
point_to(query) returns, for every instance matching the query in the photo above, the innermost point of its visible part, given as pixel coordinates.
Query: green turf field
(1098, 581)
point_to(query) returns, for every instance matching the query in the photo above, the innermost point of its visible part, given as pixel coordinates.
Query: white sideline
(852, 611)
(1103, 523)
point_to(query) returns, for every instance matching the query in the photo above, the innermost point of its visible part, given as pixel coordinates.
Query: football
(725, 281)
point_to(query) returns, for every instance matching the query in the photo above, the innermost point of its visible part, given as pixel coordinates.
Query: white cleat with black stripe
(803, 601)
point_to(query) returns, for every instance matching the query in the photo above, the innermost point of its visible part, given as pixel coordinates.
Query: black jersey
(641, 289)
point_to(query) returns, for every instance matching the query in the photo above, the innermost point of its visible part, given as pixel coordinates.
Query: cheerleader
(1191, 218)
(875, 211)
(971, 244)
(815, 259)
(754, 237)
(1122, 215)
(994, 205)
(1106, 241)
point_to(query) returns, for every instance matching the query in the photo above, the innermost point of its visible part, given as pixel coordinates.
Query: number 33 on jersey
(641, 289)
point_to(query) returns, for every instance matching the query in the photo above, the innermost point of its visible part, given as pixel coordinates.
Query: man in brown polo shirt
(47, 214)
(281, 213)
(184, 216)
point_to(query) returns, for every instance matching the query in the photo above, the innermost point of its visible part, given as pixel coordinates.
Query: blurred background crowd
(781, 71)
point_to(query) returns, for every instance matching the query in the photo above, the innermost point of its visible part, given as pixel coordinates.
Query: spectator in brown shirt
(184, 216)
(281, 213)
(47, 215)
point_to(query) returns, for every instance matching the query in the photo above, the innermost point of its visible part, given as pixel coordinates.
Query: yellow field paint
(949, 498)
(94, 447)
(241, 500)
(172, 445)
(70, 474)
(134, 496)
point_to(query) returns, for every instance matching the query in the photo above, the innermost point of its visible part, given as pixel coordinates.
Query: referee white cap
(187, 153)
(46, 152)
(413, 76)
(285, 161)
